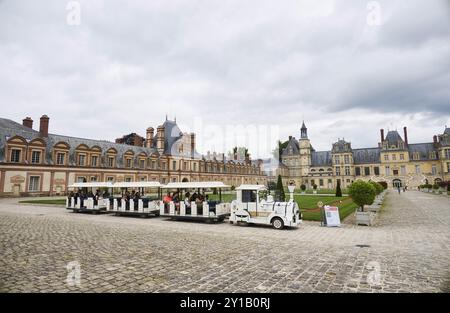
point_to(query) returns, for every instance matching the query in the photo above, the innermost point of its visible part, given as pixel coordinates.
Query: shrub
(383, 184)
(280, 189)
(314, 186)
(435, 186)
(271, 185)
(378, 188)
(338, 189)
(303, 187)
(362, 193)
(233, 188)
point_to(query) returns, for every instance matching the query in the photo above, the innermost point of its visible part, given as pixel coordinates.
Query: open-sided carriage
(81, 202)
(142, 207)
(206, 210)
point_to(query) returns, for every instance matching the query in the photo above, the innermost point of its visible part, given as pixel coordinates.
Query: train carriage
(142, 207)
(80, 204)
(209, 211)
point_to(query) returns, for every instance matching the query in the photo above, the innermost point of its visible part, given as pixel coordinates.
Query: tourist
(167, 198)
(187, 201)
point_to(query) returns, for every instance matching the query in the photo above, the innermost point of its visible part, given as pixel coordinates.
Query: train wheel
(277, 223)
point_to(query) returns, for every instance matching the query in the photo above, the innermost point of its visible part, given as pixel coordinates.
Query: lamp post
(291, 188)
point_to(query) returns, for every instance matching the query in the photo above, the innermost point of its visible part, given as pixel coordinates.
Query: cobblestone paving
(407, 251)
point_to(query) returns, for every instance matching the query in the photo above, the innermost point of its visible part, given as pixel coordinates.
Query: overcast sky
(341, 66)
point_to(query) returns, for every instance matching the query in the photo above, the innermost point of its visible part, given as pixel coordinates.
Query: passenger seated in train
(187, 202)
(167, 199)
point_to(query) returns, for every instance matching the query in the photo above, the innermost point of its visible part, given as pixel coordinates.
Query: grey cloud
(230, 62)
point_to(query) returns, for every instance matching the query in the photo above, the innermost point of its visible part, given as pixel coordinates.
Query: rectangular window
(387, 170)
(395, 172)
(386, 157)
(34, 183)
(93, 178)
(81, 159)
(376, 170)
(447, 153)
(185, 166)
(347, 159)
(163, 165)
(402, 156)
(110, 161)
(15, 155)
(394, 157)
(142, 164)
(357, 171)
(60, 158)
(403, 170)
(94, 160)
(174, 165)
(433, 169)
(128, 179)
(337, 160)
(36, 157)
(128, 163)
(347, 170)
(321, 182)
(110, 179)
(367, 171)
(154, 165)
(448, 167)
(418, 171)
(195, 167)
(338, 171)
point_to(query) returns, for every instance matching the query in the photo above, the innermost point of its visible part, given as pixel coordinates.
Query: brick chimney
(160, 134)
(27, 122)
(192, 144)
(150, 133)
(43, 126)
(382, 134)
(405, 132)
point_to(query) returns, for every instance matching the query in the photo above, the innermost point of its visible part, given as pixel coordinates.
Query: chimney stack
(27, 122)
(192, 144)
(405, 131)
(43, 126)
(382, 134)
(435, 139)
(160, 139)
(149, 139)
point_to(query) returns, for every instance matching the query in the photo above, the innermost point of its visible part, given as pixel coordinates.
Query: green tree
(279, 149)
(338, 189)
(362, 193)
(378, 188)
(280, 189)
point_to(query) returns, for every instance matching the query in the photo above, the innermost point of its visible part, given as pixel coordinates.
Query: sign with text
(332, 218)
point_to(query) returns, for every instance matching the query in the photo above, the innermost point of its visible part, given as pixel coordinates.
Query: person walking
(398, 188)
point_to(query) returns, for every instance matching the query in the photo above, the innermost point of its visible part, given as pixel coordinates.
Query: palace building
(395, 160)
(36, 162)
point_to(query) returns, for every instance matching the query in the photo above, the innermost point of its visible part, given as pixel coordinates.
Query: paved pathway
(407, 251)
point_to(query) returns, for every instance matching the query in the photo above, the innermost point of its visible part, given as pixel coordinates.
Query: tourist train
(253, 205)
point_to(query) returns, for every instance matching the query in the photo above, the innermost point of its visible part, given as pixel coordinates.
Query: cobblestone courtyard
(407, 251)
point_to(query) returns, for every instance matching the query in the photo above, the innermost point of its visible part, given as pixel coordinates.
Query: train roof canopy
(194, 185)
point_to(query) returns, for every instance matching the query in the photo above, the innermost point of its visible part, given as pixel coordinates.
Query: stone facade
(394, 160)
(40, 163)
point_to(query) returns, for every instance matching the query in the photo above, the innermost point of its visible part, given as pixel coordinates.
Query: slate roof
(447, 131)
(321, 158)
(393, 138)
(366, 155)
(10, 128)
(295, 148)
(423, 149)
